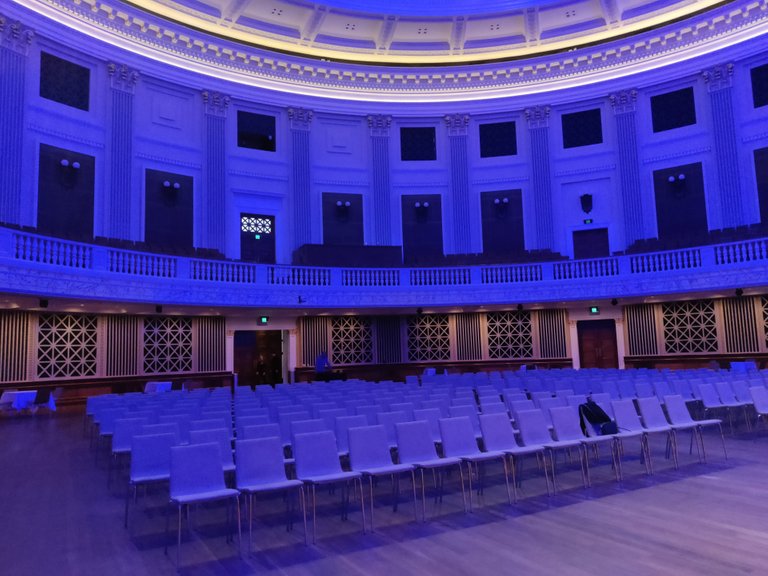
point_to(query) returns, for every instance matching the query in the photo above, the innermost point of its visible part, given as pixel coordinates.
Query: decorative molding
(122, 77)
(678, 154)
(379, 125)
(216, 103)
(65, 136)
(719, 77)
(755, 137)
(358, 183)
(300, 118)
(623, 101)
(169, 161)
(259, 175)
(457, 124)
(537, 117)
(587, 170)
(15, 36)
(494, 181)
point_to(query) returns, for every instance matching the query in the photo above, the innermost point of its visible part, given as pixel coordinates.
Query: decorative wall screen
(510, 334)
(764, 306)
(428, 338)
(641, 330)
(314, 338)
(689, 327)
(469, 341)
(14, 334)
(167, 344)
(740, 325)
(552, 341)
(351, 340)
(211, 335)
(122, 349)
(389, 339)
(66, 346)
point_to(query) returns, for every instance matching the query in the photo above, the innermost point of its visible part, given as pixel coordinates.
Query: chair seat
(436, 463)
(565, 444)
(205, 496)
(386, 470)
(483, 456)
(330, 478)
(140, 479)
(271, 486)
(708, 422)
(523, 450)
(228, 467)
(656, 429)
(628, 434)
(597, 439)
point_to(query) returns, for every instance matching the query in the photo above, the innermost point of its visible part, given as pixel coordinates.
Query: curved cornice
(187, 50)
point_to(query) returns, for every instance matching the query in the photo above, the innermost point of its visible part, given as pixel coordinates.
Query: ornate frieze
(457, 124)
(379, 124)
(718, 77)
(537, 117)
(14, 35)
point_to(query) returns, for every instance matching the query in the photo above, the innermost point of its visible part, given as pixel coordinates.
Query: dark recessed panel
(582, 128)
(498, 139)
(418, 144)
(65, 193)
(422, 228)
(761, 174)
(168, 211)
(591, 243)
(760, 85)
(257, 238)
(342, 219)
(681, 212)
(673, 110)
(256, 131)
(502, 214)
(64, 82)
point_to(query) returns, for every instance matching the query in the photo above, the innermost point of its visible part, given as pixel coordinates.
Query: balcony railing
(35, 252)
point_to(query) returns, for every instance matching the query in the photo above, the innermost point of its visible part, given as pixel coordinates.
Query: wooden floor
(57, 517)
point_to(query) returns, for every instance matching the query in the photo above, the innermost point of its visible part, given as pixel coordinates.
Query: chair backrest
(151, 455)
(759, 398)
(342, 426)
(652, 413)
(497, 432)
(709, 395)
(259, 461)
(370, 412)
(576, 400)
(513, 395)
(125, 429)
(316, 454)
(677, 410)
(440, 404)
(305, 426)
(207, 424)
(470, 411)
(285, 420)
(407, 407)
(369, 448)
(182, 420)
(165, 428)
(662, 389)
(262, 431)
(643, 389)
(458, 437)
(196, 469)
(243, 422)
(431, 415)
(566, 423)
(518, 405)
(626, 416)
(329, 415)
(388, 420)
(494, 407)
(546, 403)
(726, 393)
(220, 436)
(537, 396)
(414, 442)
(533, 428)
(627, 390)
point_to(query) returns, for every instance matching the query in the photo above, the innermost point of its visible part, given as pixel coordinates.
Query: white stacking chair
(677, 411)
(150, 463)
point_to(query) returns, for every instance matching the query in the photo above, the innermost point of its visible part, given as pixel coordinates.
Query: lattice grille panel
(764, 306)
(689, 327)
(314, 339)
(210, 344)
(552, 341)
(66, 346)
(740, 324)
(468, 340)
(510, 334)
(641, 330)
(14, 333)
(351, 340)
(428, 338)
(388, 340)
(122, 349)
(167, 344)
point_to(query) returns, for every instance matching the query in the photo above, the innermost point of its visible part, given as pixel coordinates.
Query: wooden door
(597, 344)
(258, 357)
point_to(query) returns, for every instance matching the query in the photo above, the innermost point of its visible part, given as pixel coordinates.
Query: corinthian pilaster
(301, 122)
(214, 196)
(458, 129)
(379, 126)
(541, 178)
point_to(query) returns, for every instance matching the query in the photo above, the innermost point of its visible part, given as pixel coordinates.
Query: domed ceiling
(414, 32)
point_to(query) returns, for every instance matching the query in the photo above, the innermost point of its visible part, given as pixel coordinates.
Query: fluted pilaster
(118, 199)
(301, 122)
(382, 220)
(457, 125)
(541, 178)
(215, 171)
(15, 40)
(624, 110)
(719, 80)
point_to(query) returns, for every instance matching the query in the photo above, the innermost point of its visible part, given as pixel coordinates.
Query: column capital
(122, 77)
(457, 124)
(379, 124)
(300, 118)
(718, 77)
(623, 101)
(216, 103)
(537, 117)
(15, 36)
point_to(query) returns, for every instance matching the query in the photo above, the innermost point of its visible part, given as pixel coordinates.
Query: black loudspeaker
(43, 303)
(158, 308)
